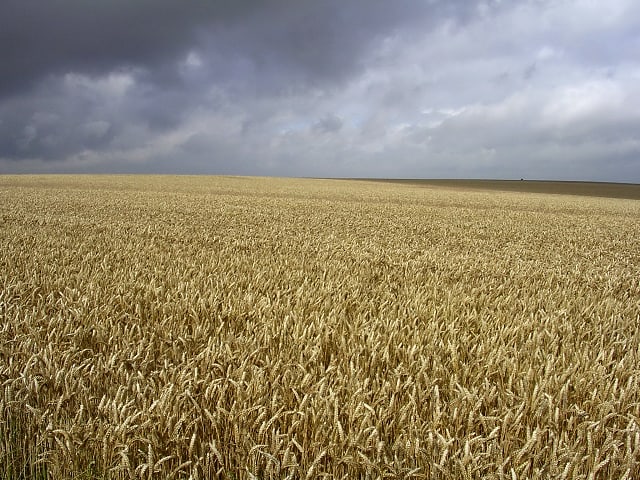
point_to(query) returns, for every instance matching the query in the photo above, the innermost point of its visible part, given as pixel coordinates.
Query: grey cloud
(328, 124)
(530, 71)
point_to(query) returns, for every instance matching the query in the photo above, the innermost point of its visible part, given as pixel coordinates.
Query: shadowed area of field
(591, 189)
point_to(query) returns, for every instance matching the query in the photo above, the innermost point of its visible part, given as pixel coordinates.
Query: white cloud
(574, 103)
(191, 64)
(548, 53)
(193, 60)
(112, 86)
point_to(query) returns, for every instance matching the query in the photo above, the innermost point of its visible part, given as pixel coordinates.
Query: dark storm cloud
(245, 47)
(313, 39)
(59, 57)
(41, 38)
(38, 39)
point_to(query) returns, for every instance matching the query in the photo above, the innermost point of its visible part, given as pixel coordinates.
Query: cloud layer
(414, 88)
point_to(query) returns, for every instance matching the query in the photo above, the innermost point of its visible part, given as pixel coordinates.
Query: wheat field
(254, 328)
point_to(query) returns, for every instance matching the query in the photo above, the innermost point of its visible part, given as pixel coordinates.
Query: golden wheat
(201, 327)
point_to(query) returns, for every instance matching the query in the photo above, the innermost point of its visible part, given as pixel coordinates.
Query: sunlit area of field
(261, 328)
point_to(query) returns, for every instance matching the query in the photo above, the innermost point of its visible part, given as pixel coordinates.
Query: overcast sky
(357, 88)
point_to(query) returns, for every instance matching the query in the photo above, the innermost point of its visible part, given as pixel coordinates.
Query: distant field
(591, 189)
(255, 328)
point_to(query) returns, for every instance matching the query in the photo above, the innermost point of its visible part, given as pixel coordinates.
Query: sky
(535, 89)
